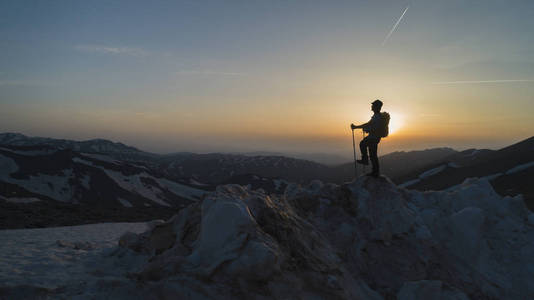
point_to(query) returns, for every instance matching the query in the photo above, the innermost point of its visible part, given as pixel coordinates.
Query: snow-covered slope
(365, 240)
(34, 261)
(510, 170)
(68, 176)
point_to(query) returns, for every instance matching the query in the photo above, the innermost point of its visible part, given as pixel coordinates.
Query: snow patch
(432, 172)
(34, 257)
(53, 186)
(427, 174)
(453, 165)
(520, 168)
(492, 176)
(473, 153)
(410, 182)
(125, 202)
(180, 189)
(134, 184)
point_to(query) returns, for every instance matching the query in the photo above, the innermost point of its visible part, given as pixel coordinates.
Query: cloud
(137, 52)
(482, 81)
(395, 26)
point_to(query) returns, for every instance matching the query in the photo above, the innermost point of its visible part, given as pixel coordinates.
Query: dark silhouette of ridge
(498, 166)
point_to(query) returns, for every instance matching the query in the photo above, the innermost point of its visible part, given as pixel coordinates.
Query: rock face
(367, 239)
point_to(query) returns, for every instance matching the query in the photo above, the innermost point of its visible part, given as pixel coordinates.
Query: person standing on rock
(377, 128)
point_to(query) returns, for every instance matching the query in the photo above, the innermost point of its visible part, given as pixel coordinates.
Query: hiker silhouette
(377, 128)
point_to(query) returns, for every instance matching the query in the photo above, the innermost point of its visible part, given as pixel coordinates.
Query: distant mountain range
(95, 145)
(43, 185)
(43, 174)
(322, 158)
(510, 170)
(395, 165)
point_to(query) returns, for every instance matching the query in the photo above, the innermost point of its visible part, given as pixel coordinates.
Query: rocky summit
(367, 239)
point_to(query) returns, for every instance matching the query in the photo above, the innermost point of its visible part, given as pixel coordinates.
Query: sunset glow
(255, 76)
(395, 123)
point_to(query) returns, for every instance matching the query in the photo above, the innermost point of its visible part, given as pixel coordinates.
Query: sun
(396, 122)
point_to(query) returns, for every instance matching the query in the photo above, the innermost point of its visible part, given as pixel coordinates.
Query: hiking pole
(364, 166)
(354, 150)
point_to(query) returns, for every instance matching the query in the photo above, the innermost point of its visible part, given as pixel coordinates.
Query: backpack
(384, 125)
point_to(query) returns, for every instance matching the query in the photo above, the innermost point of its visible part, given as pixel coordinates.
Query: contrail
(395, 26)
(483, 81)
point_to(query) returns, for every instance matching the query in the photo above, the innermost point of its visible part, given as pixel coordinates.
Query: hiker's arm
(352, 126)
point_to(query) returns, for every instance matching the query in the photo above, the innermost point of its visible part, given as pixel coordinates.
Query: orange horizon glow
(284, 77)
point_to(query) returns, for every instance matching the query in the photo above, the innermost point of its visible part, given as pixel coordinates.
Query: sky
(286, 76)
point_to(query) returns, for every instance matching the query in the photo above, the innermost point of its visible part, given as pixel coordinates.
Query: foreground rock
(364, 240)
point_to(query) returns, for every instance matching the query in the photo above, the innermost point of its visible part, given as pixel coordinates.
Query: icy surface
(466, 242)
(35, 257)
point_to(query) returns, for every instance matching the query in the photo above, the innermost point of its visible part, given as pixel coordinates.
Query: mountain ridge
(507, 170)
(54, 172)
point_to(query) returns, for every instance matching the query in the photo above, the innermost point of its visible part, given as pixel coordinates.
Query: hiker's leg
(373, 153)
(363, 148)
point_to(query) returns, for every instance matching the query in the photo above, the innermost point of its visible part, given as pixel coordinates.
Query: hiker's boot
(373, 174)
(363, 161)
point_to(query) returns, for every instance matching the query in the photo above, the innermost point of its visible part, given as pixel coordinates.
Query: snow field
(60, 256)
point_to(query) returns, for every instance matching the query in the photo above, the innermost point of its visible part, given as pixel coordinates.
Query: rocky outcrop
(367, 239)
